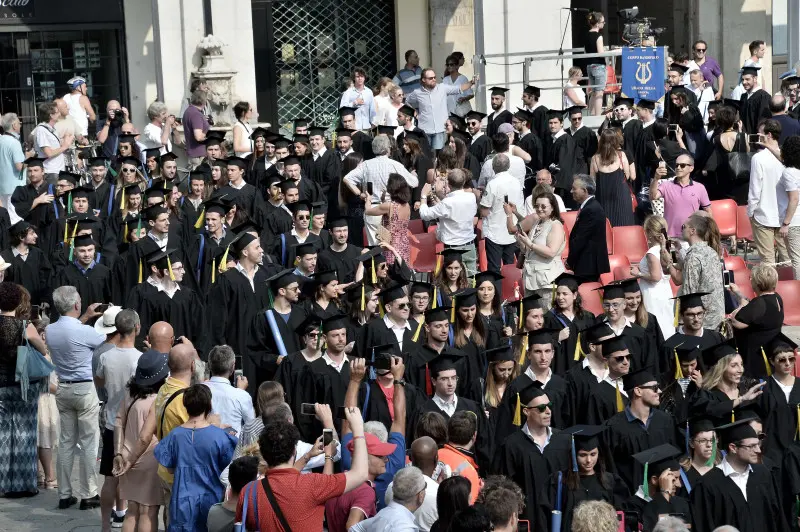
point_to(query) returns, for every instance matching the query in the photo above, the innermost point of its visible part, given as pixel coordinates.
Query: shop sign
(11, 10)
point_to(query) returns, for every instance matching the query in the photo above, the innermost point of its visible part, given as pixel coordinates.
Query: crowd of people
(254, 341)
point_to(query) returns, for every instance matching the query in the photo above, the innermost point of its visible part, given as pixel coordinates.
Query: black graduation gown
(201, 251)
(495, 120)
(185, 311)
(753, 110)
(649, 512)
(781, 418)
(602, 404)
(345, 262)
(325, 171)
(232, 305)
(643, 353)
(635, 148)
(191, 214)
(377, 333)
(95, 286)
(481, 147)
(291, 374)
(250, 199)
(283, 248)
(666, 361)
(655, 340)
(469, 384)
(484, 441)
(676, 403)
(256, 171)
(561, 153)
(716, 500)
(39, 217)
(262, 350)
(5, 225)
(626, 438)
(564, 358)
(585, 147)
(327, 386)
(790, 482)
(310, 191)
(591, 489)
(277, 221)
(312, 307)
(101, 199)
(423, 143)
(671, 111)
(136, 261)
(533, 147)
(520, 459)
(539, 124)
(556, 389)
(581, 384)
(33, 273)
(717, 406)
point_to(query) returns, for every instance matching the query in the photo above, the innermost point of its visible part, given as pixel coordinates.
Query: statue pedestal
(221, 97)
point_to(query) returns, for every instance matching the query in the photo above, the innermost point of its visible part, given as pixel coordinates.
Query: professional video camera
(636, 30)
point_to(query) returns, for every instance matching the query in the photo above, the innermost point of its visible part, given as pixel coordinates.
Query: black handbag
(739, 163)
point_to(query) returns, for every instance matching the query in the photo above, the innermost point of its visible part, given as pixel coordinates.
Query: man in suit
(588, 255)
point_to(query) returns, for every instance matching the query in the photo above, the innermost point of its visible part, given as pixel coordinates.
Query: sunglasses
(621, 358)
(403, 306)
(785, 360)
(699, 49)
(542, 408)
(303, 217)
(128, 170)
(652, 387)
(683, 165)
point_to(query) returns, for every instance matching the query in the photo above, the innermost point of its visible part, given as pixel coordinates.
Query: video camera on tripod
(636, 30)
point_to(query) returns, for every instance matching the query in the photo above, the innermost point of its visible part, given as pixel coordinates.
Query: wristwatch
(785, 224)
(401, 382)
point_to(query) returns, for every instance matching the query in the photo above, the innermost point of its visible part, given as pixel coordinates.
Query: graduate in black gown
(609, 397)
(781, 394)
(559, 154)
(94, 281)
(163, 297)
(279, 218)
(34, 202)
(481, 144)
(101, 200)
(717, 500)
(246, 196)
(323, 294)
(675, 73)
(284, 247)
(29, 265)
(205, 244)
(259, 168)
(702, 453)
(499, 115)
(381, 331)
(533, 453)
(588, 478)
(470, 335)
(308, 190)
(530, 99)
(567, 313)
(637, 313)
(640, 426)
(679, 387)
(754, 103)
(587, 375)
(528, 140)
(643, 353)
(340, 255)
(585, 139)
(657, 495)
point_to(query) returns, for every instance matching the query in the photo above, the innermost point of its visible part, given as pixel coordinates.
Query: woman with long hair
(49, 419)
(450, 276)
(325, 302)
(152, 164)
(691, 127)
(256, 172)
(386, 113)
(654, 283)
(140, 485)
(270, 393)
(636, 312)
(502, 371)
(453, 495)
(126, 147)
(567, 316)
(702, 452)
(718, 176)
(358, 315)
(614, 175)
(219, 175)
(596, 68)
(446, 160)
(573, 93)
(589, 478)
(459, 141)
(354, 204)
(470, 333)
(491, 308)
(542, 240)
(396, 213)
(417, 163)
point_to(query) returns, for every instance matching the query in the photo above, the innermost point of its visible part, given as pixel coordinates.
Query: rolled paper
(574, 464)
(555, 520)
(273, 327)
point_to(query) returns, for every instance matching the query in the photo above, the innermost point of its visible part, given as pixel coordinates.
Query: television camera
(636, 30)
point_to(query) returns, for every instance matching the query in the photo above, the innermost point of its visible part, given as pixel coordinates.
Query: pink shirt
(681, 202)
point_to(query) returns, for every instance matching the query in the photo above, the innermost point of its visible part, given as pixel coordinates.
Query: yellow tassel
(223, 263)
(578, 349)
(521, 317)
(438, 267)
(75, 232)
(766, 363)
(374, 275)
(620, 403)
(733, 417)
(473, 283)
(678, 370)
(141, 268)
(169, 267)
(433, 305)
(453, 311)
(122, 200)
(523, 351)
(363, 298)
(213, 271)
(419, 328)
(518, 413)
(677, 313)
(199, 223)
(66, 231)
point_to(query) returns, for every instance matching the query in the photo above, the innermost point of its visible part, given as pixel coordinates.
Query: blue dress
(197, 456)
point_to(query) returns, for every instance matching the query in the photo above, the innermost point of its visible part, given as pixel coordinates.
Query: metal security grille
(317, 43)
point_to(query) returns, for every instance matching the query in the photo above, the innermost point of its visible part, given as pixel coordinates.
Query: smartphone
(236, 375)
(307, 409)
(727, 277)
(36, 311)
(523, 525)
(102, 308)
(369, 188)
(674, 254)
(662, 164)
(505, 198)
(672, 127)
(327, 437)
(754, 138)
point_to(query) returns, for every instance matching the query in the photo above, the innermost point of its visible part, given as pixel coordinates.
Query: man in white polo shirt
(501, 246)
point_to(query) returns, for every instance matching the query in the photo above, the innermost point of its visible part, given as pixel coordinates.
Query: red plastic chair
(674, 287)
(483, 263)
(416, 227)
(565, 253)
(479, 230)
(726, 215)
(629, 240)
(569, 218)
(511, 274)
(610, 237)
(620, 265)
(790, 293)
(364, 236)
(744, 229)
(423, 251)
(734, 263)
(591, 298)
(785, 273)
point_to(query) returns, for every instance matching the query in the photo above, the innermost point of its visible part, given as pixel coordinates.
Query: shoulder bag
(739, 162)
(31, 364)
(274, 504)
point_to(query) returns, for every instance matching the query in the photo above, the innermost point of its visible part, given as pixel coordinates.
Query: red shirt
(337, 510)
(389, 394)
(301, 499)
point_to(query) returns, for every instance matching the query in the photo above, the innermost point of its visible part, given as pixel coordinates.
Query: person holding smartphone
(231, 402)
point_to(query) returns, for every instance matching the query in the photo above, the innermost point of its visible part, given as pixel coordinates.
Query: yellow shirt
(174, 416)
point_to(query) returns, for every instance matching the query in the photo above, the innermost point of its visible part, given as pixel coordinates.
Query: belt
(471, 242)
(75, 382)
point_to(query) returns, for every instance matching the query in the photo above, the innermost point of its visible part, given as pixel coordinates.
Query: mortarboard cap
(311, 323)
(475, 115)
(687, 301)
(630, 286)
(334, 323)
(531, 392)
(444, 362)
(646, 104)
(407, 110)
(83, 240)
(163, 259)
(152, 213)
(622, 100)
(498, 91)
(300, 122)
(527, 303)
(298, 206)
(713, 104)
(392, 292)
(657, 460)
(555, 113)
(212, 141)
(241, 241)
(128, 138)
(730, 102)
(413, 135)
(286, 185)
(20, 227)
(735, 432)
(700, 423)
(236, 161)
(96, 161)
(290, 160)
(420, 287)
(687, 352)
(615, 344)
(282, 279)
(152, 152)
(63, 175)
(457, 121)
(133, 161)
(344, 132)
(597, 330)
(305, 248)
(585, 437)
(158, 189)
(301, 137)
(637, 378)
(503, 353)
(612, 290)
(523, 115)
(132, 190)
(198, 175)
(347, 111)
(715, 353)
(280, 142)
(487, 276)
(463, 136)
(325, 277)
(544, 335)
(169, 156)
(567, 280)
(260, 132)
(437, 314)
(376, 252)
(314, 131)
(780, 344)
(387, 130)
(215, 205)
(82, 192)
(319, 207)
(451, 255)
(353, 292)
(466, 297)
(339, 222)
(533, 90)
(677, 67)
(570, 110)
(751, 70)
(37, 161)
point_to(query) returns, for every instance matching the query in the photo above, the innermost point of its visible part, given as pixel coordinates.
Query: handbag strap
(275, 507)
(164, 412)
(622, 165)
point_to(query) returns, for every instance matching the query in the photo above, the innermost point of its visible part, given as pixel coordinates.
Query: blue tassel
(574, 459)
(687, 440)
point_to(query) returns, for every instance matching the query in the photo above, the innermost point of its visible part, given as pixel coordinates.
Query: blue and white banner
(643, 73)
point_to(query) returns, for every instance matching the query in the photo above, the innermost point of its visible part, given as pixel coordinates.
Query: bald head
(62, 107)
(161, 336)
(180, 358)
(777, 104)
(424, 454)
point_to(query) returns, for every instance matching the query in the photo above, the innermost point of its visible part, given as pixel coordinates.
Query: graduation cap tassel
(710, 461)
(223, 262)
(433, 303)
(428, 383)
(122, 200)
(419, 328)
(678, 370)
(686, 440)
(733, 417)
(141, 268)
(69, 203)
(453, 311)
(523, 351)
(620, 403)
(521, 317)
(578, 349)
(677, 315)
(363, 298)
(766, 363)
(374, 276)
(169, 267)
(380, 310)
(646, 482)
(199, 223)
(518, 413)
(574, 456)
(270, 298)
(438, 265)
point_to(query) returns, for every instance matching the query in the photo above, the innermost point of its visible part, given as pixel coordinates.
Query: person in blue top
(196, 453)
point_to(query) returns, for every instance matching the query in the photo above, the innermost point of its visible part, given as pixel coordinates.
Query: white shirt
(431, 106)
(789, 182)
(394, 518)
(504, 185)
(740, 479)
(116, 366)
(447, 408)
(453, 107)
(762, 197)
(618, 332)
(244, 272)
(611, 382)
(151, 138)
(376, 171)
(516, 169)
(704, 97)
(527, 432)
(428, 513)
(171, 291)
(786, 389)
(160, 240)
(365, 113)
(532, 376)
(320, 153)
(332, 363)
(45, 136)
(600, 378)
(456, 214)
(398, 330)
(687, 78)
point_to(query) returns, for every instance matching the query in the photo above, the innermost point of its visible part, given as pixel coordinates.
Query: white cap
(105, 325)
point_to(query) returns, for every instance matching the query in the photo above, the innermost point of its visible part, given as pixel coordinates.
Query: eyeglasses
(785, 360)
(614, 306)
(403, 306)
(542, 408)
(701, 50)
(683, 165)
(652, 387)
(620, 109)
(621, 358)
(303, 217)
(421, 297)
(128, 170)
(704, 441)
(695, 315)
(750, 447)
